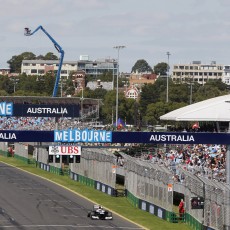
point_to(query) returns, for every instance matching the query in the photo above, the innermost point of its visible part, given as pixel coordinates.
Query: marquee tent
(214, 109)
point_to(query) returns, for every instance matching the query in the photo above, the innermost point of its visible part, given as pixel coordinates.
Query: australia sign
(39, 110)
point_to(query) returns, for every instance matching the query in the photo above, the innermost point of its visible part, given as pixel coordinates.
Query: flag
(196, 125)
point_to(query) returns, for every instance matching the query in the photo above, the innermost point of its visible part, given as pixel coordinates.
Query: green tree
(161, 68)
(50, 56)
(141, 66)
(40, 57)
(6, 84)
(109, 106)
(16, 61)
(155, 110)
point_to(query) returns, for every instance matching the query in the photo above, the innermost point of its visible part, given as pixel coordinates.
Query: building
(136, 82)
(91, 68)
(132, 92)
(41, 67)
(140, 79)
(197, 72)
(79, 81)
(4, 71)
(99, 85)
(226, 75)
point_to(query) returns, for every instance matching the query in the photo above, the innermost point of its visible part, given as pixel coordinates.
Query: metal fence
(97, 164)
(216, 195)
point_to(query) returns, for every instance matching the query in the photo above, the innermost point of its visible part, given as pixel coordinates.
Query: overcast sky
(191, 30)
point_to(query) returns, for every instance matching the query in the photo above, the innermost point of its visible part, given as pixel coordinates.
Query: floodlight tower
(27, 32)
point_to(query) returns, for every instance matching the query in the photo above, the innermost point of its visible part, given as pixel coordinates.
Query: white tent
(214, 109)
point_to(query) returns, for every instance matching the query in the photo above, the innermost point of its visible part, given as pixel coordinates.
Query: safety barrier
(4, 153)
(92, 183)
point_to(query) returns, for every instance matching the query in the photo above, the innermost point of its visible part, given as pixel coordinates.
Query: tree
(6, 84)
(141, 66)
(161, 68)
(16, 61)
(40, 57)
(50, 56)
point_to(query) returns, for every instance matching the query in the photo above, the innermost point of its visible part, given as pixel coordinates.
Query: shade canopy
(214, 109)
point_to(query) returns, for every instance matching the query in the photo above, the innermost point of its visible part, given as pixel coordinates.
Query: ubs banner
(41, 110)
(65, 150)
(102, 136)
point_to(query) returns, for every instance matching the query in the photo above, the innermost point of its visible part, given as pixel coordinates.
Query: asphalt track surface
(28, 202)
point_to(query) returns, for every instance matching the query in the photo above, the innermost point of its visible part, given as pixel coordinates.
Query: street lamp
(167, 88)
(118, 51)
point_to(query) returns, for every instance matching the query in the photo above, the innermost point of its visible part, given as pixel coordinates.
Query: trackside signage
(41, 110)
(6, 109)
(103, 136)
(86, 135)
(65, 150)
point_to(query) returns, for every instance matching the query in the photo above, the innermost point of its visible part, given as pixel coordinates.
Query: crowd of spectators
(202, 159)
(39, 123)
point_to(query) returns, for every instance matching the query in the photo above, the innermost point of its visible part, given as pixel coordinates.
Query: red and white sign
(170, 187)
(65, 150)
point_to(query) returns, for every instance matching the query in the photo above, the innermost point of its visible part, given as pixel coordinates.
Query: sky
(190, 30)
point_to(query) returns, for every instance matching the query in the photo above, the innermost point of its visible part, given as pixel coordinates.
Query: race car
(99, 213)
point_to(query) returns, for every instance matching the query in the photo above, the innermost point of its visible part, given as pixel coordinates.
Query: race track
(29, 202)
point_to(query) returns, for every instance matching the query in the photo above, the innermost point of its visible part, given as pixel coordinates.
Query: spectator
(181, 209)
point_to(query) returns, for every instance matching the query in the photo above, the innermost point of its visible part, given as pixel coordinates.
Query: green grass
(120, 205)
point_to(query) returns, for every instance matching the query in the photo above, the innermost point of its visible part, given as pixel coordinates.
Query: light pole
(118, 51)
(191, 93)
(167, 87)
(82, 101)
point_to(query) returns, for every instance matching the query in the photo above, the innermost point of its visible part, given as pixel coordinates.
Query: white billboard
(65, 150)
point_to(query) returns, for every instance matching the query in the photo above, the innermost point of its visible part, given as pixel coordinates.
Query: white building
(92, 68)
(41, 67)
(226, 75)
(197, 72)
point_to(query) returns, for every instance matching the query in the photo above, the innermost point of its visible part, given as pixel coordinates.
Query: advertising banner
(103, 136)
(65, 150)
(49, 110)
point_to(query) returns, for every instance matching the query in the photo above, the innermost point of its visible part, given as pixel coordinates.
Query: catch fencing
(97, 164)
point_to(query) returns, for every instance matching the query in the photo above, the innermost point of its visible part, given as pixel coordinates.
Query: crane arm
(28, 32)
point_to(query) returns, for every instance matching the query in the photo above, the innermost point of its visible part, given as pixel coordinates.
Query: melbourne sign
(86, 135)
(65, 150)
(6, 109)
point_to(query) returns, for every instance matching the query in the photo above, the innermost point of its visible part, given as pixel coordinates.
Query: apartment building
(41, 67)
(198, 72)
(92, 68)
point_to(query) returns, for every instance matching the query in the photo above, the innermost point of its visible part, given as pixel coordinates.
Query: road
(29, 202)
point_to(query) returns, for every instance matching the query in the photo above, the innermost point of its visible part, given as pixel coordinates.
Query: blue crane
(28, 32)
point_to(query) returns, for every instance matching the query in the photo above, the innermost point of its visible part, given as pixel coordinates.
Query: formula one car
(99, 213)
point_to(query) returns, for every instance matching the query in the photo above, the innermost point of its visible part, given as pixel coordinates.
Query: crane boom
(57, 47)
